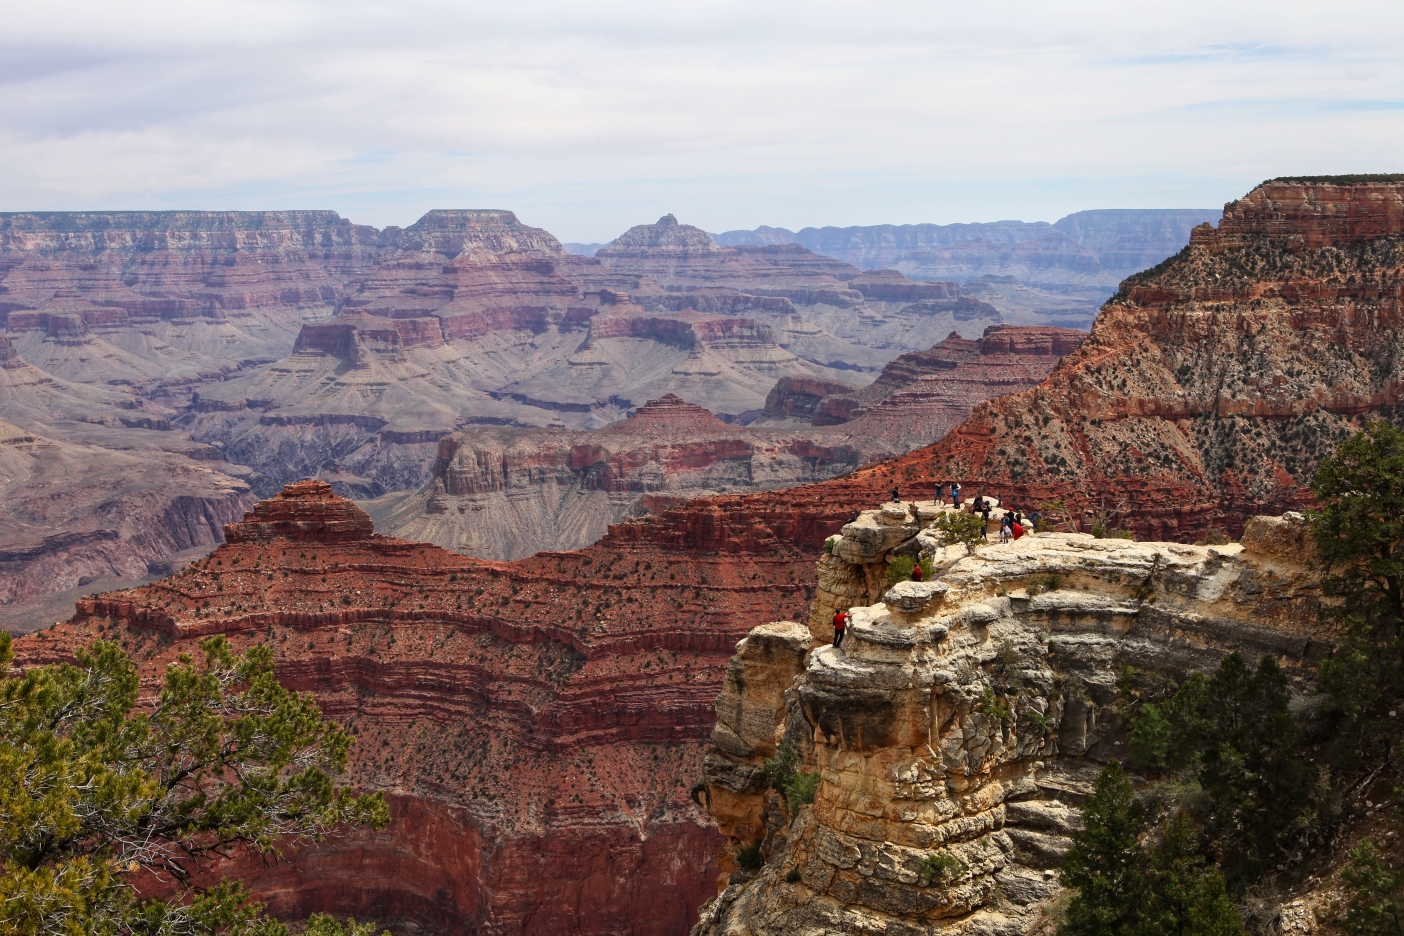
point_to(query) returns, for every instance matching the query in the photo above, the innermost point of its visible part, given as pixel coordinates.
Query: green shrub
(749, 858)
(940, 868)
(1374, 902)
(1098, 529)
(797, 786)
(792, 876)
(997, 707)
(900, 569)
(961, 527)
(829, 545)
(801, 790)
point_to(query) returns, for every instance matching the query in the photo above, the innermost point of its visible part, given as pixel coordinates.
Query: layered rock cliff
(536, 725)
(72, 513)
(507, 493)
(965, 716)
(1212, 385)
(1004, 360)
(171, 298)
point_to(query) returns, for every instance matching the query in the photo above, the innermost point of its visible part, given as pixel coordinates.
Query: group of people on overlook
(1012, 525)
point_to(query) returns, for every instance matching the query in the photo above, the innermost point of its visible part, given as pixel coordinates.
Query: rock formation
(1005, 360)
(966, 715)
(74, 513)
(474, 318)
(1213, 384)
(821, 299)
(536, 725)
(167, 299)
(1034, 273)
(505, 493)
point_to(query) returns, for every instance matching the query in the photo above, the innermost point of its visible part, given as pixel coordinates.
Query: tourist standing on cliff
(916, 572)
(896, 495)
(941, 493)
(955, 494)
(984, 507)
(840, 625)
(1006, 526)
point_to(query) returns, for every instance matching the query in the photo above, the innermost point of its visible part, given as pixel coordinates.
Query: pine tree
(1106, 863)
(1185, 895)
(1125, 889)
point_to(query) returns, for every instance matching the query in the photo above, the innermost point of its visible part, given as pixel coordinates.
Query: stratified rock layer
(1212, 385)
(966, 715)
(504, 493)
(537, 725)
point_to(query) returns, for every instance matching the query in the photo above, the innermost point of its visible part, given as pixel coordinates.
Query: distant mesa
(304, 511)
(666, 234)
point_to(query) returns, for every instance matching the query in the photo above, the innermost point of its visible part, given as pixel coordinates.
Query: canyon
(477, 319)
(539, 725)
(501, 493)
(273, 346)
(536, 725)
(1034, 273)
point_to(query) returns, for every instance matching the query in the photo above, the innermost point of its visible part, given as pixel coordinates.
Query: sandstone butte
(968, 714)
(503, 493)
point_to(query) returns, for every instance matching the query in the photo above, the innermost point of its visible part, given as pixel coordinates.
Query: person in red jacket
(1018, 529)
(916, 572)
(840, 625)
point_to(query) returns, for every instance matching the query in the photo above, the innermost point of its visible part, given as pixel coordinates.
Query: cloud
(586, 118)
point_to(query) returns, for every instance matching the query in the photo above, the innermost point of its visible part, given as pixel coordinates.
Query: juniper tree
(97, 782)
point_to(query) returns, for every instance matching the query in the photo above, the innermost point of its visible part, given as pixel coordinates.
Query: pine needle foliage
(96, 783)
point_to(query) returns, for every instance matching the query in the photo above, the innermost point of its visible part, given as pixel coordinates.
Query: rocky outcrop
(307, 511)
(966, 715)
(1212, 385)
(536, 725)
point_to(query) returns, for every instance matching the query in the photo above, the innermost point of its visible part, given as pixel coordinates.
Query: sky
(586, 118)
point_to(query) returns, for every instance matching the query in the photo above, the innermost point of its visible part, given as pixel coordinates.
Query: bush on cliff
(1125, 888)
(900, 569)
(95, 785)
(1374, 892)
(797, 786)
(968, 529)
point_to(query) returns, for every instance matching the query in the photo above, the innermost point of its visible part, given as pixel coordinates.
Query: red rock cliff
(537, 725)
(1212, 385)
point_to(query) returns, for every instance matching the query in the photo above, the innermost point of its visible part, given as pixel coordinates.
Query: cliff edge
(966, 715)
